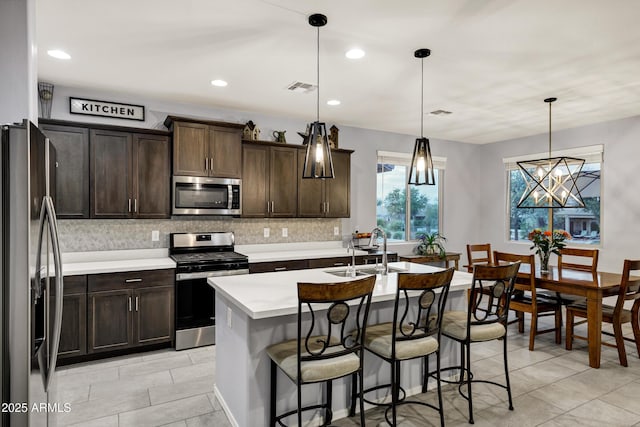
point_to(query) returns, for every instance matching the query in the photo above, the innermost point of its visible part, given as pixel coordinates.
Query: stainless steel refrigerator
(32, 284)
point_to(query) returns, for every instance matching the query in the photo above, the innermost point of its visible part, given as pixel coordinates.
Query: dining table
(594, 286)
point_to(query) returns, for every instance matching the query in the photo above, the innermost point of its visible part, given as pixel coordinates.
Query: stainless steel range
(198, 256)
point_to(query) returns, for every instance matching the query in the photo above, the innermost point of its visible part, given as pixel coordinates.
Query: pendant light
(551, 182)
(317, 160)
(421, 171)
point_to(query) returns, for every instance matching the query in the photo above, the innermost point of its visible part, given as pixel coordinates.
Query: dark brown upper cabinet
(205, 148)
(269, 184)
(130, 175)
(71, 169)
(328, 198)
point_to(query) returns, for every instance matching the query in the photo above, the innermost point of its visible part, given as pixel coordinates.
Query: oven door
(195, 313)
(194, 195)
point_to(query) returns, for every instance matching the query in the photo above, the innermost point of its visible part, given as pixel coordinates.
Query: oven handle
(205, 274)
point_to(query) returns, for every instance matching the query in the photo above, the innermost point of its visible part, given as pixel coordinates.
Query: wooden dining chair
(478, 254)
(576, 259)
(616, 315)
(527, 301)
(587, 259)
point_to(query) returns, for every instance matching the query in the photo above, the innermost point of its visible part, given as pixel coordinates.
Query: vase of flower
(546, 243)
(431, 244)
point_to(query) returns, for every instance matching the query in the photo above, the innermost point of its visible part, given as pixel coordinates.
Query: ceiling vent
(301, 87)
(440, 112)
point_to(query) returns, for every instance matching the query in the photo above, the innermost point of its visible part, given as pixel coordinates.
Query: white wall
(620, 215)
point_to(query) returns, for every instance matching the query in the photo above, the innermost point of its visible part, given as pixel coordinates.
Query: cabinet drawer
(265, 267)
(73, 285)
(131, 280)
(329, 262)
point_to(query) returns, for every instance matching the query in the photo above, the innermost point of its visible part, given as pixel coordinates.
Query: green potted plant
(431, 244)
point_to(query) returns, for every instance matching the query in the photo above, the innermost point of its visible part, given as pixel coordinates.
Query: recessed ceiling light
(58, 54)
(219, 83)
(333, 102)
(354, 53)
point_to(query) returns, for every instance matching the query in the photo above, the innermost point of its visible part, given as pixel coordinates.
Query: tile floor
(551, 387)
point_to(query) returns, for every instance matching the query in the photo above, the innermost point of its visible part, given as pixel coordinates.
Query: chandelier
(551, 182)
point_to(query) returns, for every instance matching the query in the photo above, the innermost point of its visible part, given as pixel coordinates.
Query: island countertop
(266, 295)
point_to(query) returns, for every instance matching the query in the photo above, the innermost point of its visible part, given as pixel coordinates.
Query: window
(582, 223)
(400, 217)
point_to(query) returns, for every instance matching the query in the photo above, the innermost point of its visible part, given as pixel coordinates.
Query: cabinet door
(190, 149)
(283, 181)
(255, 180)
(73, 336)
(109, 323)
(153, 176)
(310, 193)
(337, 190)
(71, 169)
(154, 315)
(225, 152)
(111, 193)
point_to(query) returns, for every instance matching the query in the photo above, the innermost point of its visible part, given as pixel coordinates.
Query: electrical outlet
(266, 232)
(336, 231)
(155, 236)
(285, 232)
(229, 317)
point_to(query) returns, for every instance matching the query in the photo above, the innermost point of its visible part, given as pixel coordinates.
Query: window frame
(404, 159)
(591, 154)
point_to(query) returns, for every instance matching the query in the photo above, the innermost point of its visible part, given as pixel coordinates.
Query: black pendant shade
(317, 160)
(421, 171)
(551, 182)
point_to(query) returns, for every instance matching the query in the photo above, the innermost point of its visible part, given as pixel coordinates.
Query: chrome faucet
(385, 264)
(351, 246)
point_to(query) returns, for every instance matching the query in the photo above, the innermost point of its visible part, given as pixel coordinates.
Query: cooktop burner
(189, 258)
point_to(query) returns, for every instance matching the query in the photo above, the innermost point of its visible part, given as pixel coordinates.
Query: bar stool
(322, 351)
(413, 333)
(484, 320)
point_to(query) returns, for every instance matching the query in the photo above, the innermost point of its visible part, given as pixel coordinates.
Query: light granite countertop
(266, 295)
(77, 263)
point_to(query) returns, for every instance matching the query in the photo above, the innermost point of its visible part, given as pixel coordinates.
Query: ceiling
(492, 63)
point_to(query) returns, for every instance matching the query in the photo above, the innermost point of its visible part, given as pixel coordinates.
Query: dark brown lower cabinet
(73, 337)
(131, 309)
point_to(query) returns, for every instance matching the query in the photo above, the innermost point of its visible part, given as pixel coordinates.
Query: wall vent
(301, 87)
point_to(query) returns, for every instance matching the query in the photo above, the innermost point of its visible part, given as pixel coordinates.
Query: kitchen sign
(117, 110)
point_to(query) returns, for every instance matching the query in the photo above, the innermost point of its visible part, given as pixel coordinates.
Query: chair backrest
(328, 334)
(420, 301)
(589, 258)
(491, 293)
(526, 280)
(478, 254)
(630, 285)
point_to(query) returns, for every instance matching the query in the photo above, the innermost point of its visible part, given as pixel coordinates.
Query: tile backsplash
(105, 235)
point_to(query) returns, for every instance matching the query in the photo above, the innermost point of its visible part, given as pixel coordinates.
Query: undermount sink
(361, 271)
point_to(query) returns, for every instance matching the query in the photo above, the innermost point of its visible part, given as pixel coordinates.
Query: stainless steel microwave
(194, 195)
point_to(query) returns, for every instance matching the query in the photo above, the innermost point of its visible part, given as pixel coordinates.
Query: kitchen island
(257, 310)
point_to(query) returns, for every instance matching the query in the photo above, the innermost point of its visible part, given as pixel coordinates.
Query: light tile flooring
(551, 387)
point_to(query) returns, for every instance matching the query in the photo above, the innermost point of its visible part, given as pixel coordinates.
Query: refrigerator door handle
(36, 285)
(57, 322)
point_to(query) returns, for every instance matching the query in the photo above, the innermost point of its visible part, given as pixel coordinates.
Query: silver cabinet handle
(137, 298)
(211, 164)
(129, 205)
(206, 163)
(135, 205)
(327, 211)
(268, 206)
(132, 280)
(338, 264)
(129, 303)
(273, 208)
(280, 269)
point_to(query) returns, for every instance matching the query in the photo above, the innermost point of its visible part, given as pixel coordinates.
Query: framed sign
(117, 110)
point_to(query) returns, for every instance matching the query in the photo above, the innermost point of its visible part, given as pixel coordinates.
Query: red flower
(547, 233)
